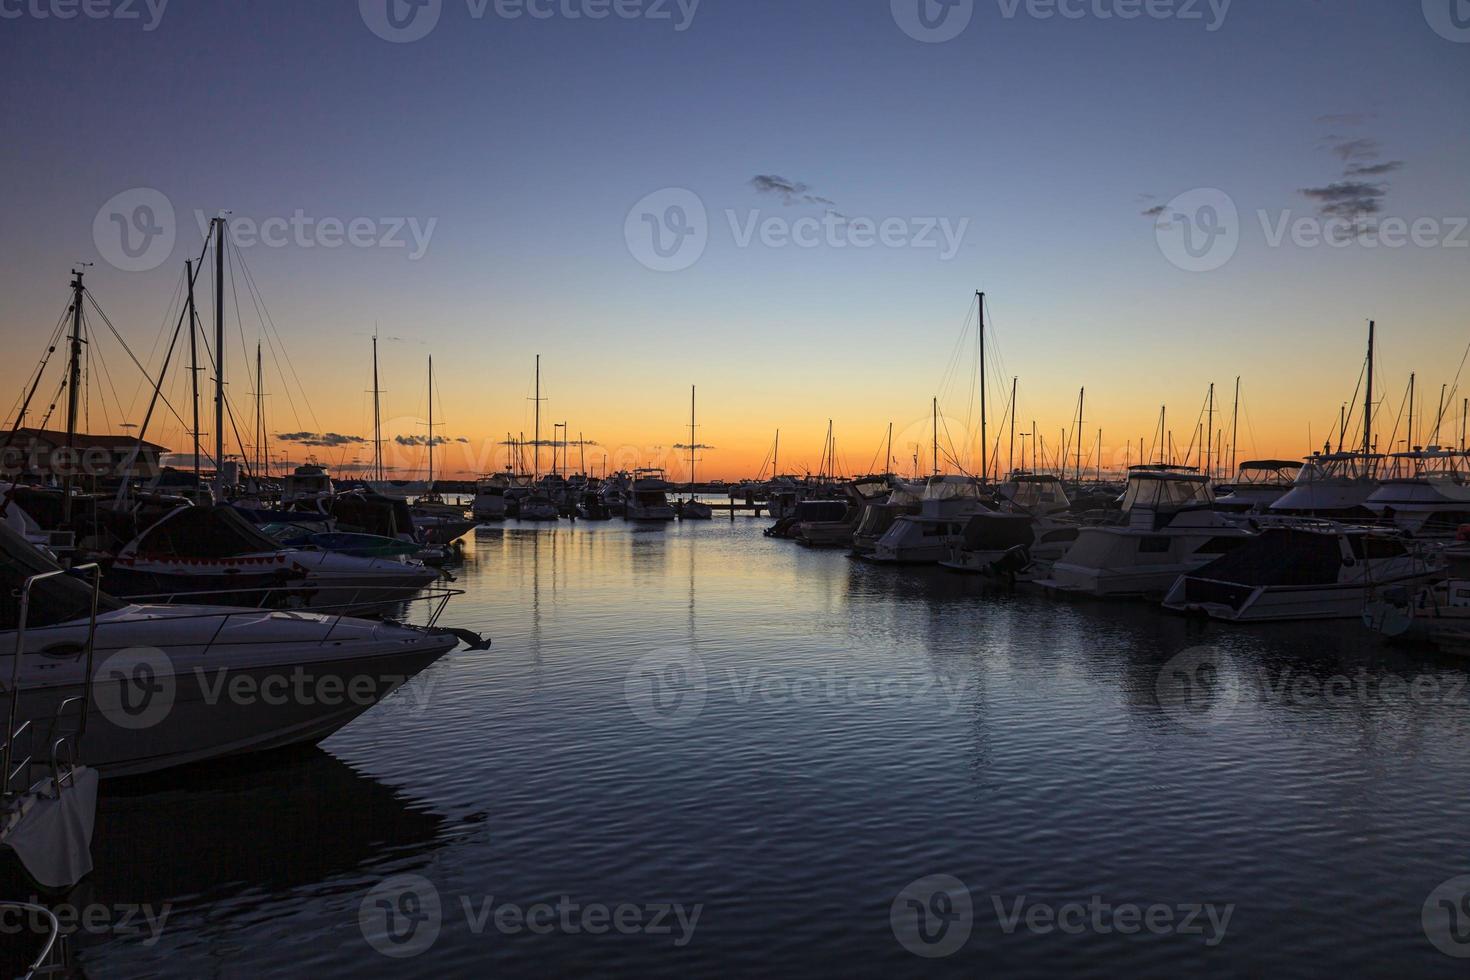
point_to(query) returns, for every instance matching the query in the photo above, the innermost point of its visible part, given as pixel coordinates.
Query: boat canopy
(1166, 489)
(1268, 472)
(216, 531)
(821, 511)
(999, 532)
(1339, 466)
(1035, 490)
(61, 599)
(952, 488)
(1286, 557)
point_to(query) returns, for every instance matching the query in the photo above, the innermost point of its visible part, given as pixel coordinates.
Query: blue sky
(526, 142)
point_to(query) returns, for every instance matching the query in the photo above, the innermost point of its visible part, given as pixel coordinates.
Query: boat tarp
(1279, 556)
(204, 532)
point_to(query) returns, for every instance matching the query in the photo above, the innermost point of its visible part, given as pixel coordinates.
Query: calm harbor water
(733, 754)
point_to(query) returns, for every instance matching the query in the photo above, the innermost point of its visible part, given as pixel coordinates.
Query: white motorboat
(1009, 542)
(181, 684)
(1332, 486)
(1259, 483)
(1429, 494)
(695, 510)
(538, 507)
(1307, 571)
(925, 538)
(648, 498)
(310, 482)
(198, 553)
(879, 516)
(1169, 529)
(489, 503)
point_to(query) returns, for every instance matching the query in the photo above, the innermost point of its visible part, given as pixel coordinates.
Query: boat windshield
(1339, 466)
(204, 532)
(1166, 491)
(1031, 492)
(1267, 472)
(952, 488)
(61, 599)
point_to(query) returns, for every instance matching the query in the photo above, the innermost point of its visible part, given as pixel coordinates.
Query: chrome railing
(12, 733)
(54, 959)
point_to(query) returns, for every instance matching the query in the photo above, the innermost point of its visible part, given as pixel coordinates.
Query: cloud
(1348, 199)
(1358, 149)
(420, 440)
(320, 439)
(790, 191)
(1155, 211)
(1347, 118)
(1373, 169)
(697, 445)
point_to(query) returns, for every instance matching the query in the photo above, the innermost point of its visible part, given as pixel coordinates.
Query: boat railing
(9, 768)
(436, 599)
(53, 959)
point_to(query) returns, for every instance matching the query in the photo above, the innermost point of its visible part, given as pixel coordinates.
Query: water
(860, 729)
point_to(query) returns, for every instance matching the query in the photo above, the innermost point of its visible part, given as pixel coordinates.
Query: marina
(697, 490)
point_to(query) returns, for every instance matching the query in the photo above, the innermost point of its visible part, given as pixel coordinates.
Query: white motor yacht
(181, 684)
(648, 498)
(1169, 528)
(1428, 493)
(212, 553)
(1308, 571)
(489, 503)
(1332, 486)
(925, 538)
(1259, 483)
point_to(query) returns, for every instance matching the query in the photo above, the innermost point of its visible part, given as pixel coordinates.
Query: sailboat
(691, 509)
(441, 522)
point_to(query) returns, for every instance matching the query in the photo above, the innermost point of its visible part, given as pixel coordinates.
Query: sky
(789, 204)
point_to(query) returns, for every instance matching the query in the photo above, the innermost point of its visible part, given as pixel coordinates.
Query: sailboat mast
(692, 391)
(1081, 401)
(260, 412)
(431, 423)
(536, 465)
(193, 365)
(1209, 443)
(936, 437)
(1368, 399)
(1235, 426)
(73, 388)
(1011, 449)
(377, 417)
(776, 458)
(1411, 412)
(219, 358)
(984, 437)
(888, 459)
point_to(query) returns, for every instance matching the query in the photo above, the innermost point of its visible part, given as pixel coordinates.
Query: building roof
(80, 440)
